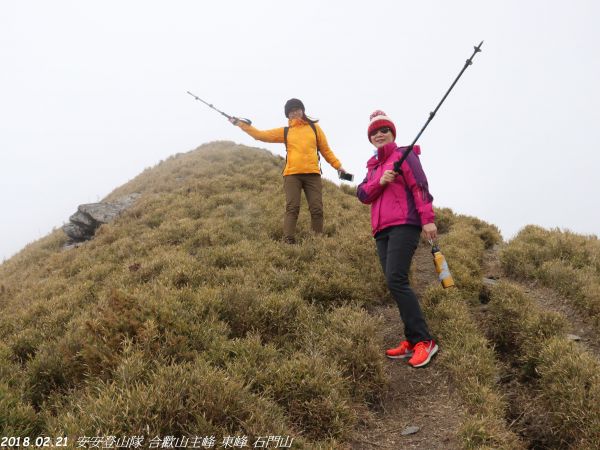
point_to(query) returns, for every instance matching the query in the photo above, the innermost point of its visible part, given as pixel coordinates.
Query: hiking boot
(423, 352)
(404, 350)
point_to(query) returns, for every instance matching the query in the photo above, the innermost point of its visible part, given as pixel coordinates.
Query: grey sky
(92, 93)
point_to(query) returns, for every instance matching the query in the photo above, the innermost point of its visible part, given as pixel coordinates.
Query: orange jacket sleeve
(274, 135)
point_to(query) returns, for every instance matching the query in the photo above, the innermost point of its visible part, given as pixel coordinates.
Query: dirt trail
(415, 397)
(550, 300)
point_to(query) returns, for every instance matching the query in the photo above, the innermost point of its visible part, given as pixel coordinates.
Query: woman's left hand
(430, 231)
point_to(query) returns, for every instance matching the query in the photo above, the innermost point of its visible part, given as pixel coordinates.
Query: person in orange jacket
(304, 140)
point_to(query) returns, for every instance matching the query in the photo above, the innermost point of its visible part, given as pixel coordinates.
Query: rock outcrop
(83, 224)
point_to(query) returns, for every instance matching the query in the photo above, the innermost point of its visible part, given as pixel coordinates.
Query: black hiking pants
(396, 246)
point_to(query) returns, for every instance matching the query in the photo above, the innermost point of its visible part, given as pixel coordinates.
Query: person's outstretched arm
(274, 135)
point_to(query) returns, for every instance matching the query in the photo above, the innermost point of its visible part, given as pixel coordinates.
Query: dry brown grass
(187, 315)
(465, 352)
(558, 382)
(564, 261)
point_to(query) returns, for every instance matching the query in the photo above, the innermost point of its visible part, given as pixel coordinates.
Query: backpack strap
(285, 133)
(312, 125)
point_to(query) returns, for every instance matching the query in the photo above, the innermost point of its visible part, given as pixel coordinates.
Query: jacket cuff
(427, 217)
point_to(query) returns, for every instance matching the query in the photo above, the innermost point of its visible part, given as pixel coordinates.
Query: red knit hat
(378, 120)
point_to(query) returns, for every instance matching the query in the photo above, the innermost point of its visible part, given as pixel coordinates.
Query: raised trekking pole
(469, 61)
(248, 121)
(441, 266)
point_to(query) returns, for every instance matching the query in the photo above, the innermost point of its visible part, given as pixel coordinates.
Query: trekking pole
(248, 121)
(469, 61)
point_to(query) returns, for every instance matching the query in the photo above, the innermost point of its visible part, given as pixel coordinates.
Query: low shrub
(315, 395)
(17, 418)
(488, 433)
(349, 336)
(568, 395)
(187, 399)
(561, 381)
(561, 260)
(516, 325)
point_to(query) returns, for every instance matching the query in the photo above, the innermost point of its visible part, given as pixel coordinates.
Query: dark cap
(291, 104)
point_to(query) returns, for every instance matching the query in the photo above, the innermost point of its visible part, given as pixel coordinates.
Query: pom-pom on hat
(378, 120)
(291, 104)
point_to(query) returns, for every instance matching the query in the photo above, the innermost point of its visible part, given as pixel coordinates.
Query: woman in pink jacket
(401, 209)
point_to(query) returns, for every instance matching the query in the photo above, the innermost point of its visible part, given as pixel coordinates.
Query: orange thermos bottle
(441, 267)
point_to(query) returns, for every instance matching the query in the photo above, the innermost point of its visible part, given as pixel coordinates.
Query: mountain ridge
(189, 317)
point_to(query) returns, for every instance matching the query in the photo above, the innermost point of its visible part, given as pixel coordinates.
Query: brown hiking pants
(293, 186)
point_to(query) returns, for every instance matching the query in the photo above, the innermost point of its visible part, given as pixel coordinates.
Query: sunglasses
(382, 130)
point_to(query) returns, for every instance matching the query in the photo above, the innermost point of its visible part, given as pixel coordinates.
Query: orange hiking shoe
(423, 352)
(404, 350)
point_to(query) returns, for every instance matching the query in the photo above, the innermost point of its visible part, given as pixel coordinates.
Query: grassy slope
(187, 316)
